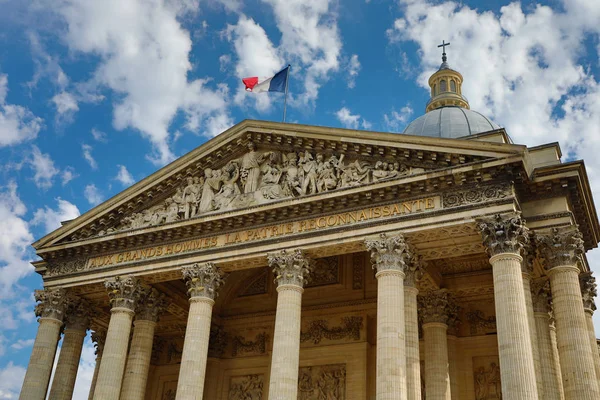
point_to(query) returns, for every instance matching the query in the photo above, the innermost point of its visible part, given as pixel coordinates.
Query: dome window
(443, 86)
(434, 90)
(453, 86)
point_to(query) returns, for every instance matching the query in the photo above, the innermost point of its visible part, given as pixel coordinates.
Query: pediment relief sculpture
(260, 177)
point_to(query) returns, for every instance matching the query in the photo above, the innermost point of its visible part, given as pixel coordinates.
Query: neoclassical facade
(283, 262)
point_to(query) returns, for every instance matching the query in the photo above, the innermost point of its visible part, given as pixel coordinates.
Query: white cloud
(43, 167)
(224, 62)
(17, 124)
(87, 154)
(11, 380)
(93, 195)
(396, 120)
(22, 343)
(144, 58)
(98, 135)
(353, 69)
(124, 176)
(256, 56)
(351, 121)
(51, 219)
(65, 103)
(310, 41)
(68, 175)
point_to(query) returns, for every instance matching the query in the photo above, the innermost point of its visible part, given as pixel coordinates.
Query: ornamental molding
(324, 271)
(203, 280)
(503, 233)
(239, 345)
(389, 252)
(52, 303)
(66, 266)
(560, 246)
(125, 291)
(477, 195)
(480, 324)
(290, 267)
(588, 291)
(319, 329)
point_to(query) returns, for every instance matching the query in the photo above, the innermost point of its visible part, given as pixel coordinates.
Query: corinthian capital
(52, 303)
(588, 291)
(99, 338)
(79, 314)
(389, 253)
(541, 295)
(151, 306)
(438, 306)
(503, 233)
(290, 268)
(560, 246)
(124, 292)
(203, 280)
(414, 271)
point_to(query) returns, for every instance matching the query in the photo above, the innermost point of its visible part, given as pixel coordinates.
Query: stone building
(283, 262)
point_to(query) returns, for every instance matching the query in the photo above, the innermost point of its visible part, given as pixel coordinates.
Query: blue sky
(96, 95)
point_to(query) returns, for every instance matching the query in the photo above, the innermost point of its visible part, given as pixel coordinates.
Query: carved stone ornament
(414, 271)
(541, 295)
(503, 233)
(475, 195)
(260, 177)
(125, 292)
(389, 252)
(487, 379)
(67, 266)
(258, 286)
(560, 246)
(78, 315)
(290, 267)
(358, 272)
(437, 306)
(324, 271)
(588, 291)
(322, 382)
(52, 303)
(480, 324)
(248, 387)
(151, 306)
(217, 341)
(528, 256)
(203, 280)
(99, 338)
(257, 346)
(319, 330)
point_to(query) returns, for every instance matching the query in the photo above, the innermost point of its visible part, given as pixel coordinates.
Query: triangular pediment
(257, 163)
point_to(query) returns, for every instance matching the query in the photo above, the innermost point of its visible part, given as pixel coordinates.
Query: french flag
(276, 83)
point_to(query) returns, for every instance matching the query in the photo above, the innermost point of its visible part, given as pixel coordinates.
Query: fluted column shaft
(203, 281)
(550, 377)
(39, 369)
(291, 270)
(138, 361)
(514, 340)
(453, 366)
(99, 337)
(413, 363)
(437, 373)
(285, 361)
(577, 363)
(592, 335)
(68, 364)
(556, 358)
(535, 351)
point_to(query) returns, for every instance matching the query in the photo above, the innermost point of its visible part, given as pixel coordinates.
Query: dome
(450, 122)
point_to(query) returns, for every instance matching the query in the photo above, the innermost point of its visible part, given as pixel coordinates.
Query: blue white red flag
(275, 83)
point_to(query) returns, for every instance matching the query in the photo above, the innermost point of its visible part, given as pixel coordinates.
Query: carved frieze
(476, 195)
(486, 374)
(480, 324)
(241, 346)
(319, 330)
(66, 266)
(247, 387)
(322, 382)
(325, 271)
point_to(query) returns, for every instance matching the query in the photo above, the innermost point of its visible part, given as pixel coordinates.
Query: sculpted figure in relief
(230, 189)
(251, 165)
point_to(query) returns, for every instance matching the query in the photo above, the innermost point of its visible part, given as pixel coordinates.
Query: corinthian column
(504, 237)
(123, 293)
(453, 323)
(99, 338)
(77, 320)
(138, 362)
(291, 270)
(540, 292)
(527, 271)
(390, 256)
(588, 293)
(435, 308)
(413, 365)
(50, 310)
(203, 282)
(561, 249)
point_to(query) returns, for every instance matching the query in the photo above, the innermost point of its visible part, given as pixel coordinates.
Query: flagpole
(286, 91)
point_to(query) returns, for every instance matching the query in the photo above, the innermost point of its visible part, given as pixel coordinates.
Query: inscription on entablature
(322, 382)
